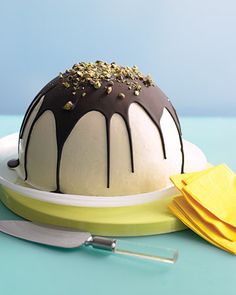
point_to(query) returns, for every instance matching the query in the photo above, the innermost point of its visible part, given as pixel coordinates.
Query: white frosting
(83, 168)
(42, 153)
(83, 161)
(22, 143)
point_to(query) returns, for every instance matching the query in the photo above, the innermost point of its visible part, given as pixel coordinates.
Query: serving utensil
(70, 238)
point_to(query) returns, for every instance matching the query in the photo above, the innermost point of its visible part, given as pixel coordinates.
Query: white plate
(9, 179)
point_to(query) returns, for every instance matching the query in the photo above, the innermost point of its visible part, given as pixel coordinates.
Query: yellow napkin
(216, 191)
(208, 204)
(180, 180)
(225, 230)
(197, 228)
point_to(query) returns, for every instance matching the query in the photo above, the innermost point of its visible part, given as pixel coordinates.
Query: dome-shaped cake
(102, 129)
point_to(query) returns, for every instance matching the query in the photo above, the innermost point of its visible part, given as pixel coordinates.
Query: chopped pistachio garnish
(109, 90)
(97, 84)
(66, 84)
(121, 95)
(110, 83)
(84, 94)
(95, 74)
(148, 81)
(68, 106)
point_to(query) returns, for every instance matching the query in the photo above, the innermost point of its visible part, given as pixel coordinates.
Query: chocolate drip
(13, 163)
(151, 99)
(108, 124)
(30, 109)
(177, 124)
(130, 143)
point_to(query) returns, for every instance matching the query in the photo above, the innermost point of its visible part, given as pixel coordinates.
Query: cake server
(71, 238)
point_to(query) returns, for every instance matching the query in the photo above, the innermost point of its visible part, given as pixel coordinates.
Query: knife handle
(132, 249)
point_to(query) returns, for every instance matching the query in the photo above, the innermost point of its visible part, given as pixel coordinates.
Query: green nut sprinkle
(83, 74)
(68, 106)
(97, 85)
(121, 95)
(66, 84)
(109, 90)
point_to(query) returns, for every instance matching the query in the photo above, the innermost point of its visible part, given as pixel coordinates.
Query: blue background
(189, 47)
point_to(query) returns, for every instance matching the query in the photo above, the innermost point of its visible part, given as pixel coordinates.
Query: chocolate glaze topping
(69, 103)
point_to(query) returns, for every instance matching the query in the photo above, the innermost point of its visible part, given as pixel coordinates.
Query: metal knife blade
(53, 236)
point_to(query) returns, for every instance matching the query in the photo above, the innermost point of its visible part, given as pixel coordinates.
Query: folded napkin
(207, 204)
